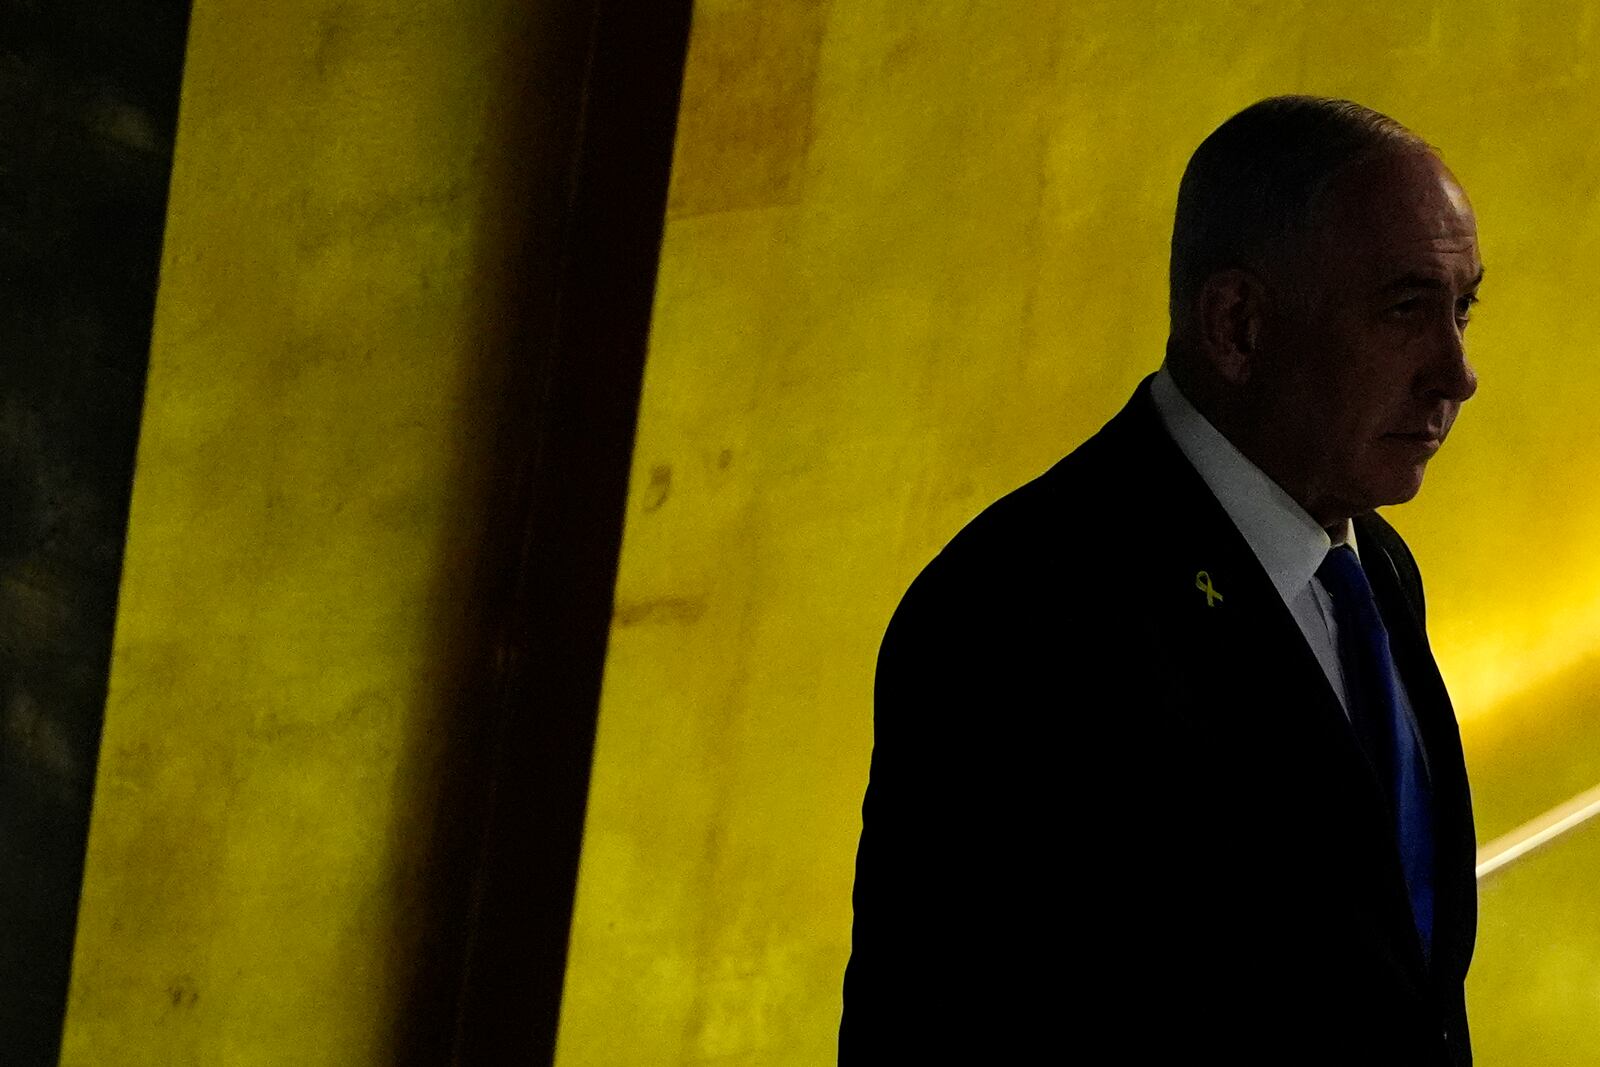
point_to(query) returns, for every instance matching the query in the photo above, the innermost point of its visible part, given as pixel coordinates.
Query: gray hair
(1254, 183)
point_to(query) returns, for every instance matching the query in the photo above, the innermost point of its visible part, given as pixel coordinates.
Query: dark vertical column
(581, 395)
(88, 107)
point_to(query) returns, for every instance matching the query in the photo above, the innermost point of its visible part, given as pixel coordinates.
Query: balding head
(1251, 189)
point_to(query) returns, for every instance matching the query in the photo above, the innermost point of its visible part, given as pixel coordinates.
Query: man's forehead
(1402, 214)
(1409, 189)
(1389, 266)
(1397, 257)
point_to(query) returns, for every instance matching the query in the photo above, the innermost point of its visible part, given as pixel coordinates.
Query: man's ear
(1231, 308)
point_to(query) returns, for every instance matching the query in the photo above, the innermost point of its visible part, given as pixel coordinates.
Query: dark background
(88, 108)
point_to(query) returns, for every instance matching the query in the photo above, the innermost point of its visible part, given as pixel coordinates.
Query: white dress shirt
(1288, 542)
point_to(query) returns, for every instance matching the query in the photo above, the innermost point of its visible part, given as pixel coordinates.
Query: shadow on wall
(88, 103)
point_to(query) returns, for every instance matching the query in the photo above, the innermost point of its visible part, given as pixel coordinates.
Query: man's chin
(1397, 487)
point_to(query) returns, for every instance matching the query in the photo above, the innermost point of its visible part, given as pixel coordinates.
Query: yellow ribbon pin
(1202, 582)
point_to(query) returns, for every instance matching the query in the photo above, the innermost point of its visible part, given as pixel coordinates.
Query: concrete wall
(283, 823)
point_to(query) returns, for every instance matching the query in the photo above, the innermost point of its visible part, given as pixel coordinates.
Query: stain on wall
(88, 103)
(745, 121)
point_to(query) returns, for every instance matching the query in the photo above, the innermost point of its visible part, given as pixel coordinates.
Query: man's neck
(1217, 411)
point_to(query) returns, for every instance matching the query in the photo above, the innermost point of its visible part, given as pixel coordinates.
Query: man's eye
(1403, 308)
(1464, 308)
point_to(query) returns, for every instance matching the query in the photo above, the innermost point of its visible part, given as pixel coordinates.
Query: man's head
(1323, 263)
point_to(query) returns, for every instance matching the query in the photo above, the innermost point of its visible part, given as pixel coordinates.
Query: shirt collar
(1288, 542)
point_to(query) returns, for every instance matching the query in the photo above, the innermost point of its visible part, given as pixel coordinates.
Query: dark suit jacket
(1105, 815)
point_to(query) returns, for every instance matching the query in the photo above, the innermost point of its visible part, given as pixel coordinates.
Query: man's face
(1366, 369)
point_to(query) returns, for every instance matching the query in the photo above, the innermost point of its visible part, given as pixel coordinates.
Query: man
(1164, 771)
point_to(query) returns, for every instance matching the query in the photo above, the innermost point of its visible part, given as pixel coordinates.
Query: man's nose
(1452, 375)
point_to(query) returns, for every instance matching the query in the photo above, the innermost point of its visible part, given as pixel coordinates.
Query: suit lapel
(1456, 888)
(1251, 672)
(1246, 624)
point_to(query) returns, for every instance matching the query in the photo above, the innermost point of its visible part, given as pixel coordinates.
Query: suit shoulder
(1035, 528)
(1055, 541)
(1374, 528)
(1015, 558)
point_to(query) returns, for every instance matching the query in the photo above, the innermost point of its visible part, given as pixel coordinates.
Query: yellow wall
(349, 197)
(917, 252)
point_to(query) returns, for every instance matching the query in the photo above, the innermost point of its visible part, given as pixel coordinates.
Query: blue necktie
(1385, 731)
